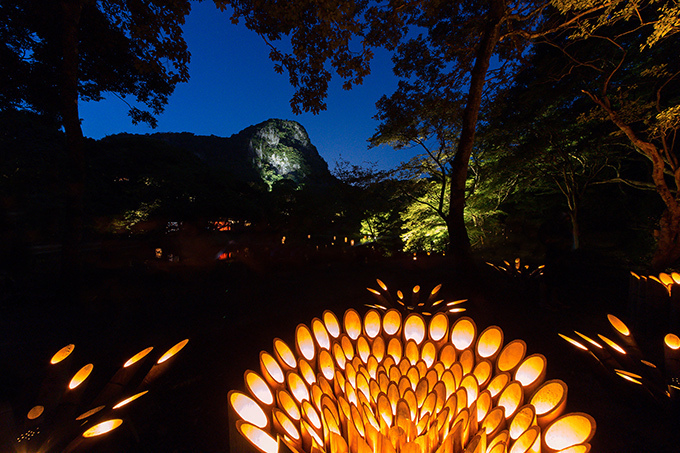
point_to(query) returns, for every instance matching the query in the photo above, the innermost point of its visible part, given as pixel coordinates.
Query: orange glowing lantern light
(137, 357)
(672, 341)
(62, 354)
(80, 376)
(130, 399)
(380, 383)
(569, 430)
(35, 412)
(172, 351)
(103, 428)
(89, 413)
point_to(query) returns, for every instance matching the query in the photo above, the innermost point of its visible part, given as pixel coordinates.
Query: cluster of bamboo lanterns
(622, 358)
(655, 301)
(387, 382)
(62, 421)
(516, 269)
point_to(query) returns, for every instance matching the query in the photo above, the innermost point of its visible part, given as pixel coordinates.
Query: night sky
(233, 85)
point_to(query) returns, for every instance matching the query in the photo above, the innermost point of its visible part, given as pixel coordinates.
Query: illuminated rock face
(383, 382)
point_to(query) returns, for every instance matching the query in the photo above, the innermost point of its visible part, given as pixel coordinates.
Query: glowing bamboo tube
(582, 448)
(494, 422)
(89, 413)
(352, 324)
(172, 351)
(568, 430)
(528, 442)
(439, 327)
(304, 343)
(103, 428)
(523, 420)
(447, 355)
(259, 438)
(467, 360)
(531, 372)
(489, 343)
(137, 357)
(130, 399)
(248, 409)
(284, 355)
(287, 427)
(414, 328)
(372, 324)
(331, 323)
(463, 333)
(35, 412)
(258, 388)
(498, 383)
(321, 334)
(483, 372)
(392, 322)
(511, 356)
(394, 349)
(271, 370)
(62, 354)
(549, 400)
(80, 376)
(511, 398)
(411, 352)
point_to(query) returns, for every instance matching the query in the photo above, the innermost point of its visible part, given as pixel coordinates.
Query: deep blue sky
(233, 85)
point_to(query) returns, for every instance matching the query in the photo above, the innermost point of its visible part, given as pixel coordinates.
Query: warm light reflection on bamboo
(103, 428)
(172, 351)
(387, 384)
(137, 357)
(80, 376)
(62, 354)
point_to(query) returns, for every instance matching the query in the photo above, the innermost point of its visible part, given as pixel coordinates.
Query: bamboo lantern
(391, 383)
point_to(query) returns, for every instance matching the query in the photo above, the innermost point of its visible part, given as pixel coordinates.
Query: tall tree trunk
(575, 231)
(459, 241)
(74, 176)
(668, 238)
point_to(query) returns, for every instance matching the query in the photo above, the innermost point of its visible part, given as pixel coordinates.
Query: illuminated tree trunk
(459, 241)
(668, 236)
(74, 174)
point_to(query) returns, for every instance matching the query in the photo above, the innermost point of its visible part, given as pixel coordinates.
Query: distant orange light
(35, 412)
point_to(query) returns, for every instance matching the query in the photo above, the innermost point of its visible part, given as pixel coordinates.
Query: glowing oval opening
(569, 430)
(80, 376)
(372, 323)
(287, 424)
(258, 438)
(611, 344)
(523, 419)
(62, 354)
(284, 353)
(298, 388)
(511, 398)
(489, 342)
(305, 342)
(271, 367)
(103, 428)
(90, 413)
(392, 322)
(526, 442)
(172, 351)
(498, 383)
(137, 357)
(439, 327)
(35, 412)
(672, 341)
(463, 333)
(531, 369)
(549, 397)
(129, 400)
(511, 355)
(321, 334)
(352, 323)
(248, 409)
(572, 342)
(259, 388)
(331, 323)
(618, 325)
(288, 404)
(414, 328)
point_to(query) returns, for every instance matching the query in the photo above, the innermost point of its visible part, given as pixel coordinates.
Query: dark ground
(232, 311)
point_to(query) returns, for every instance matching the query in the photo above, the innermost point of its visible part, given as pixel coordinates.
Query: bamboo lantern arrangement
(62, 421)
(403, 381)
(516, 269)
(621, 358)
